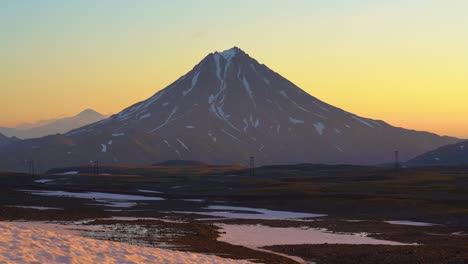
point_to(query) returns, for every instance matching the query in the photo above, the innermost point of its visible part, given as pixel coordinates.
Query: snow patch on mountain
(296, 121)
(320, 127)
(362, 121)
(174, 110)
(183, 145)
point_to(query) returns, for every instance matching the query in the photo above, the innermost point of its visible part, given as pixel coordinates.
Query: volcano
(228, 108)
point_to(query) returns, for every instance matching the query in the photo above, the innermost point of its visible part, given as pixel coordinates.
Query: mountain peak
(88, 112)
(230, 53)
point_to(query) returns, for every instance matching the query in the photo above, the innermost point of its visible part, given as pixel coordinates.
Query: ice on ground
(36, 207)
(193, 200)
(409, 223)
(235, 212)
(69, 173)
(30, 244)
(148, 191)
(255, 236)
(44, 180)
(95, 195)
(104, 199)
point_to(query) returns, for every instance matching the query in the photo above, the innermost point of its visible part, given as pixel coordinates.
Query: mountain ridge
(228, 108)
(53, 126)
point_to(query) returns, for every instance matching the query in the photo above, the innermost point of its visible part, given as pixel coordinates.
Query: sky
(402, 61)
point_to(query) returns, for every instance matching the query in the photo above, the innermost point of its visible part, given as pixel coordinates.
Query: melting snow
(257, 236)
(170, 146)
(230, 135)
(249, 90)
(320, 127)
(118, 134)
(31, 243)
(109, 142)
(36, 207)
(148, 191)
(194, 82)
(212, 136)
(69, 173)
(145, 116)
(339, 149)
(410, 223)
(95, 195)
(103, 148)
(236, 212)
(362, 121)
(189, 127)
(183, 145)
(105, 199)
(167, 120)
(295, 121)
(229, 54)
(44, 180)
(284, 94)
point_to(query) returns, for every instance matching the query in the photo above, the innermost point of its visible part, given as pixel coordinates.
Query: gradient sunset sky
(402, 61)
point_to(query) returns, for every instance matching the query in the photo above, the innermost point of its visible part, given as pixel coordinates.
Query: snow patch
(212, 136)
(144, 116)
(174, 110)
(183, 145)
(36, 243)
(194, 82)
(296, 121)
(320, 127)
(409, 223)
(362, 121)
(103, 148)
(249, 90)
(285, 95)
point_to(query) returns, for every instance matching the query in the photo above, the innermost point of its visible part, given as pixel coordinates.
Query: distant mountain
(226, 109)
(4, 140)
(451, 155)
(182, 163)
(55, 126)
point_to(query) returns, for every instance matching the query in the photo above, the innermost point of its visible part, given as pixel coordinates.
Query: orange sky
(404, 62)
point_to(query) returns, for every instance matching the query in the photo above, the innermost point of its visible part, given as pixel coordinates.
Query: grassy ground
(437, 195)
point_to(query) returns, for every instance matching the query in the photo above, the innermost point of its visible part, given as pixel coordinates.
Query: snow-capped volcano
(227, 108)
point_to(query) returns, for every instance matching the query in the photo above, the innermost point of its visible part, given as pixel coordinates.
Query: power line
(397, 159)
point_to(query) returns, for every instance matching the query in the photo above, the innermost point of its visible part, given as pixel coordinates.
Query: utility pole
(31, 169)
(96, 164)
(96, 167)
(252, 167)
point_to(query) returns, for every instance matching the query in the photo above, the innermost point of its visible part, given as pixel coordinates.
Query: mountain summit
(226, 109)
(55, 126)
